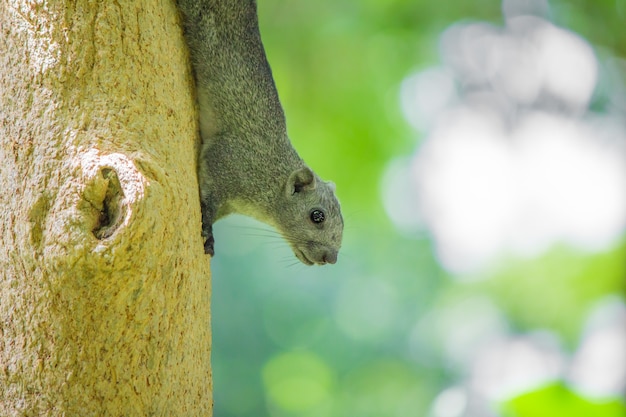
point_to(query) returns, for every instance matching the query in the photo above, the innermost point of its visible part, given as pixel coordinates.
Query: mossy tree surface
(104, 287)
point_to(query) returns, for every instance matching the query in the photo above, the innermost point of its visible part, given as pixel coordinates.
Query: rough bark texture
(104, 287)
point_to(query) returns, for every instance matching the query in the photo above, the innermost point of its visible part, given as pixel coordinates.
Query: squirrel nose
(330, 257)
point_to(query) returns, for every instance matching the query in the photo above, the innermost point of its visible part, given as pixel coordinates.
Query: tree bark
(104, 287)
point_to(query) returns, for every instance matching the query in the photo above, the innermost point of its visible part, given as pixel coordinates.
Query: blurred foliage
(601, 22)
(558, 400)
(562, 274)
(358, 338)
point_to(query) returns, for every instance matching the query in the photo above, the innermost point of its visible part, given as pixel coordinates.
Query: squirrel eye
(318, 216)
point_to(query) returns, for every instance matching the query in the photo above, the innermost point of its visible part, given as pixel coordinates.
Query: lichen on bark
(104, 288)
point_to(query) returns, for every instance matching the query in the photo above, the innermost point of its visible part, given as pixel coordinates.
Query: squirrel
(246, 163)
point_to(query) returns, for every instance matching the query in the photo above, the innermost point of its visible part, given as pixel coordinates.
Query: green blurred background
(463, 288)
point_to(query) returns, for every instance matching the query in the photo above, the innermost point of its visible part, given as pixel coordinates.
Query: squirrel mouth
(302, 257)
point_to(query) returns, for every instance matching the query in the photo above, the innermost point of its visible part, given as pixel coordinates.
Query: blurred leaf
(557, 400)
(556, 290)
(298, 381)
(385, 387)
(583, 16)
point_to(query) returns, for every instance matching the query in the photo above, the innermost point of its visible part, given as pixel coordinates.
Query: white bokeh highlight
(599, 366)
(517, 364)
(512, 162)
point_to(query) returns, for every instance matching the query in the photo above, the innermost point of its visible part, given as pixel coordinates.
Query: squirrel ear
(301, 179)
(332, 186)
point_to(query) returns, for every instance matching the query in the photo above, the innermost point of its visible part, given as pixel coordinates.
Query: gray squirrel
(246, 163)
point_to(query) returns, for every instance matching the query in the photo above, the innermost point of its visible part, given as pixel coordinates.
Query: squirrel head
(309, 217)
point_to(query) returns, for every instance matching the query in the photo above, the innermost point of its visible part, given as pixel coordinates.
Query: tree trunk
(104, 287)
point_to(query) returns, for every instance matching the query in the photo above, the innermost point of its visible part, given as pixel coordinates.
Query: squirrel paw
(207, 230)
(209, 241)
(208, 245)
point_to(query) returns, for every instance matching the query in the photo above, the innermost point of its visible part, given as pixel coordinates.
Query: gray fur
(247, 164)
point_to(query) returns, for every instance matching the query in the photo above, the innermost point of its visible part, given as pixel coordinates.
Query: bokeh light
(599, 366)
(515, 161)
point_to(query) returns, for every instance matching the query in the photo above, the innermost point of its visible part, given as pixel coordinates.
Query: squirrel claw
(208, 246)
(207, 234)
